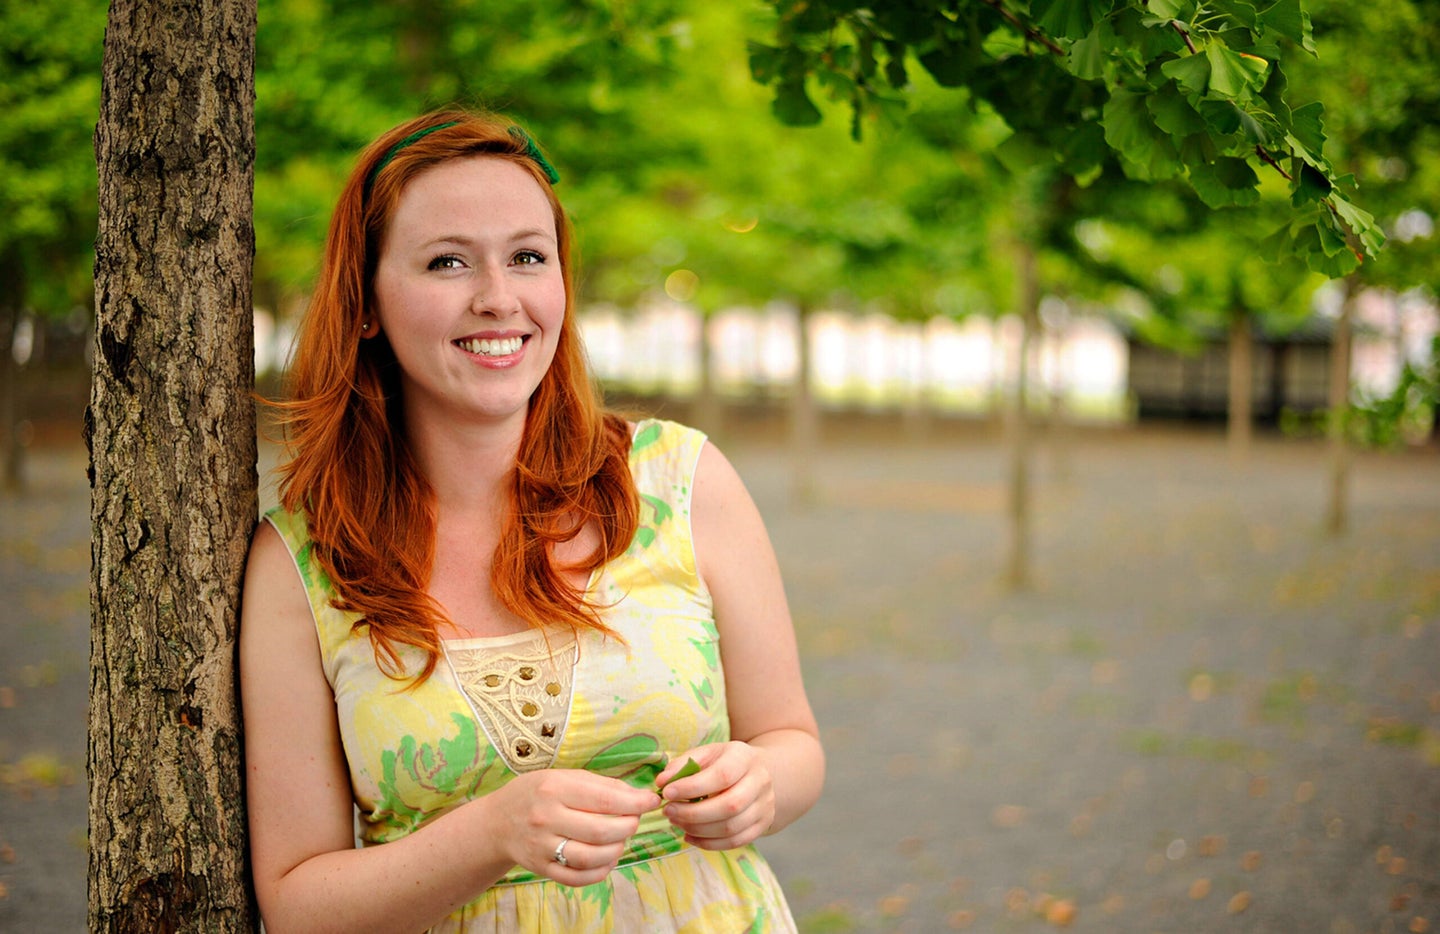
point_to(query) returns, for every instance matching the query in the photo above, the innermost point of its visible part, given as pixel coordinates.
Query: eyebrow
(528, 233)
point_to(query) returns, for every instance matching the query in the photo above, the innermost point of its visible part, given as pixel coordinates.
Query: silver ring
(560, 852)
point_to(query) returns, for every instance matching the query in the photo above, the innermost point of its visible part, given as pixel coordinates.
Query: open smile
(491, 347)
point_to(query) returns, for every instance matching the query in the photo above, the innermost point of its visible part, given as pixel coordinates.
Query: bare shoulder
(723, 514)
(274, 602)
(732, 546)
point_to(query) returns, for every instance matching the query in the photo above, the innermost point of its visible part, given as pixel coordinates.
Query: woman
(495, 619)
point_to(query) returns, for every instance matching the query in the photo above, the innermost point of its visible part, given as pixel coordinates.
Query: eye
(528, 258)
(447, 261)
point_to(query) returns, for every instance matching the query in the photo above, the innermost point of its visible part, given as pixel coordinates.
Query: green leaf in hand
(689, 768)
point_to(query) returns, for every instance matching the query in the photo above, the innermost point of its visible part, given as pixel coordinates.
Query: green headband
(531, 151)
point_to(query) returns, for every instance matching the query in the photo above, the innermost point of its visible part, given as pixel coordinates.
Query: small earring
(365, 327)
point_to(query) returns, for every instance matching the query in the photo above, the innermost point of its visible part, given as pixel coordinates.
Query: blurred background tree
(49, 98)
(988, 132)
(1380, 60)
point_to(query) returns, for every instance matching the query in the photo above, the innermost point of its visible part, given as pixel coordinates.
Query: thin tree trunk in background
(1016, 575)
(804, 418)
(172, 466)
(1058, 434)
(708, 413)
(917, 405)
(1239, 427)
(1338, 510)
(12, 451)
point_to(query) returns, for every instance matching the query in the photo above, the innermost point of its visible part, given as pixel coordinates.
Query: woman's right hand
(595, 813)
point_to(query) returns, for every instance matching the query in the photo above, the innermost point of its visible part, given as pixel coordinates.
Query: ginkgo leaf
(1235, 75)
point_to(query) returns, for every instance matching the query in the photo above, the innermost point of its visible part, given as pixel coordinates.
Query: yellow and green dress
(496, 707)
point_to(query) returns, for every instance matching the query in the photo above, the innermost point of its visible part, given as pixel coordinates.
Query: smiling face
(470, 292)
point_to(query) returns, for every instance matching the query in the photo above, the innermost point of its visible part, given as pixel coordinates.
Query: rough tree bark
(172, 466)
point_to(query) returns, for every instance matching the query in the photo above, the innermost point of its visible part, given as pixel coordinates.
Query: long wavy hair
(350, 470)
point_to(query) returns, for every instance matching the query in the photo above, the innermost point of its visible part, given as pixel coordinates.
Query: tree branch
(1269, 160)
(1184, 34)
(1031, 33)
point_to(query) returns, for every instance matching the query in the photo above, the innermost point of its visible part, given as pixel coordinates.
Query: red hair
(370, 510)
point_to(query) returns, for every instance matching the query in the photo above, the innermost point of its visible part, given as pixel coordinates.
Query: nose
(494, 295)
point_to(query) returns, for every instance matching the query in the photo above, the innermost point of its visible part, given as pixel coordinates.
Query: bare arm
(308, 874)
(772, 771)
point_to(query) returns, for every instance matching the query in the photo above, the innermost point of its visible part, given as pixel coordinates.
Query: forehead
(484, 192)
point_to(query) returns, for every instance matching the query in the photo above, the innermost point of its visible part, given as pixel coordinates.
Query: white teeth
(492, 348)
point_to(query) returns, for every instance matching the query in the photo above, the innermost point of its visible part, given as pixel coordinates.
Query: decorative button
(527, 673)
(547, 730)
(553, 689)
(492, 681)
(523, 749)
(529, 709)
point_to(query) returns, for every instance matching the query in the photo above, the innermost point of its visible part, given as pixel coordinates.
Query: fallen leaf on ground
(1009, 815)
(1238, 903)
(1199, 889)
(1061, 913)
(892, 906)
(1250, 861)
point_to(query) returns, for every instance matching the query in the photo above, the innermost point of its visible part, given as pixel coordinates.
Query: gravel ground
(1205, 715)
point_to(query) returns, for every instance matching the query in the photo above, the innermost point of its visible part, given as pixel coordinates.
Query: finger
(612, 796)
(597, 829)
(579, 790)
(726, 835)
(728, 824)
(709, 780)
(583, 858)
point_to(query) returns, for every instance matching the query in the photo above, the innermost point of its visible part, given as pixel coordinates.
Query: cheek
(555, 304)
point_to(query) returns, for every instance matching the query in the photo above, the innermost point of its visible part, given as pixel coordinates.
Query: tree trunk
(707, 415)
(12, 451)
(172, 466)
(1337, 511)
(1241, 390)
(1017, 575)
(804, 418)
(1059, 436)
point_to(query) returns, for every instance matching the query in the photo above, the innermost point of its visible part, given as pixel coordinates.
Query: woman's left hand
(730, 802)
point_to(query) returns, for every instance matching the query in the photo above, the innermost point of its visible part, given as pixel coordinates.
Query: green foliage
(49, 101)
(1408, 412)
(331, 74)
(1169, 88)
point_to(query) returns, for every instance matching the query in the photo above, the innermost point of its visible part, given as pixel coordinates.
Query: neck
(468, 466)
